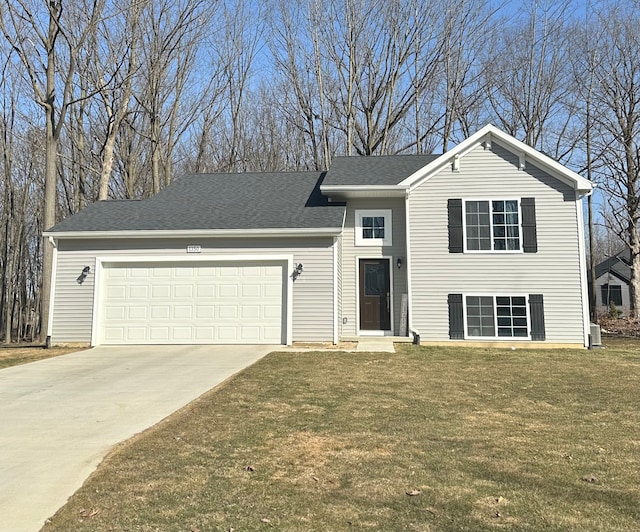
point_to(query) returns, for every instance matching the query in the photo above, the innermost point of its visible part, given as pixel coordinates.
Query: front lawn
(14, 355)
(425, 439)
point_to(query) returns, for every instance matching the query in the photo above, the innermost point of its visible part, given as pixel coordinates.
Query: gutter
(191, 233)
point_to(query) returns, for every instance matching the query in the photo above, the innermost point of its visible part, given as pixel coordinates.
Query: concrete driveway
(59, 417)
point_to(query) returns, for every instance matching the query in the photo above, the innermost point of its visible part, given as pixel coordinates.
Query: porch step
(375, 345)
(383, 339)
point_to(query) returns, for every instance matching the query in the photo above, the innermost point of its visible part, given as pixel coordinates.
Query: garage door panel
(205, 291)
(228, 312)
(205, 312)
(135, 334)
(212, 303)
(228, 290)
(117, 292)
(137, 312)
(160, 312)
(251, 290)
(161, 291)
(138, 291)
(182, 312)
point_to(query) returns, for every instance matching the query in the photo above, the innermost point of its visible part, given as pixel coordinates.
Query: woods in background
(112, 99)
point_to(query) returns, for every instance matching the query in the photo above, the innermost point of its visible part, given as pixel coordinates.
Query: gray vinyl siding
(73, 302)
(351, 252)
(553, 271)
(312, 291)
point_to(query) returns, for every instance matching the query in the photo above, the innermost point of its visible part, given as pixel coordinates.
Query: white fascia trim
(194, 233)
(492, 133)
(586, 319)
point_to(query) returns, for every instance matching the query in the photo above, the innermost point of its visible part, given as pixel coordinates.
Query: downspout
(412, 330)
(52, 294)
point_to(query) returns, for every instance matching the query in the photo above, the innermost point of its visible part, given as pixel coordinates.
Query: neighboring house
(483, 244)
(613, 277)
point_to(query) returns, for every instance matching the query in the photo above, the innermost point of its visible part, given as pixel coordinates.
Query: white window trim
(491, 251)
(388, 229)
(495, 317)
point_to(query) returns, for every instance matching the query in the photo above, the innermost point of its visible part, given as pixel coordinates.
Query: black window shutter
(456, 317)
(536, 308)
(529, 233)
(454, 207)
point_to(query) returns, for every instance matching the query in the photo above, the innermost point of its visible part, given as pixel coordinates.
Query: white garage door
(179, 303)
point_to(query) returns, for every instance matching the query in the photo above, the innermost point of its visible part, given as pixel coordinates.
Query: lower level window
(497, 316)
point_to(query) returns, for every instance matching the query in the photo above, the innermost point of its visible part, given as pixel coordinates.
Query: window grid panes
(373, 227)
(478, 225)
(511, 315)
(480, 320)
(492, 225)
(506, 227)
(501, 316)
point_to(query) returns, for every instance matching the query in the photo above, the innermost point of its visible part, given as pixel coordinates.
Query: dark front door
(375, 295)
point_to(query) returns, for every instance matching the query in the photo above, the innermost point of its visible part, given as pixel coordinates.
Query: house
(483, 244)
(613, 277)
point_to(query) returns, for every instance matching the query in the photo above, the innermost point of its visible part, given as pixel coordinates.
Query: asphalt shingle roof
(618, 264)
(218, 201)
(379, 170)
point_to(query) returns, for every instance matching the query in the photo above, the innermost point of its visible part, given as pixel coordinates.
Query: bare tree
(526, 75)
(50, 33)
(617, 128)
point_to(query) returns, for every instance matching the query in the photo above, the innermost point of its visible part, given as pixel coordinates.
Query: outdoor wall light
(399, 262)
(296, 271)
(85, 271)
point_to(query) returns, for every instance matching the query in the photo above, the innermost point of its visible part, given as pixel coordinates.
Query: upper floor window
(492, 225)
(373, 227)
(507, 225)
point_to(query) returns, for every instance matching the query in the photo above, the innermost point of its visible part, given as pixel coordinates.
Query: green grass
(492, 440)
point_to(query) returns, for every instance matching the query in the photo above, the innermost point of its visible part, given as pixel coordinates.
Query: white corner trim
(52, 286)
(335, 290)
(586, 320)
(97, 298)
(407, 226)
